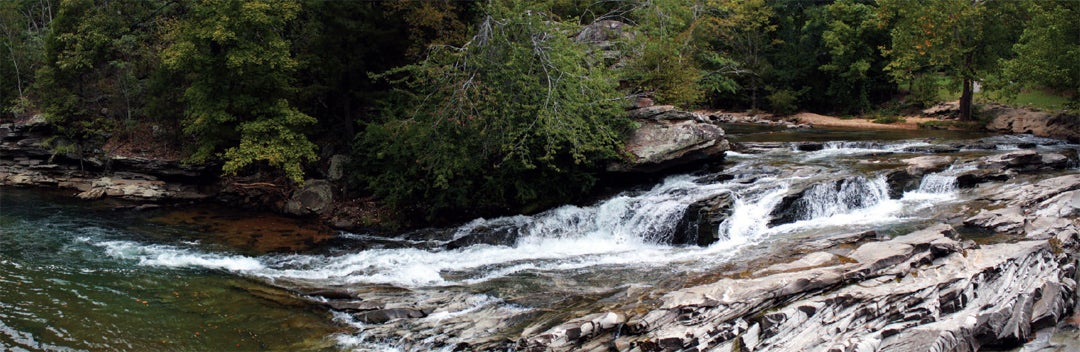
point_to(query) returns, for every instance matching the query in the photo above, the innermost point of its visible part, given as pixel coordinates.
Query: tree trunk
(965, 100)
(967, 94)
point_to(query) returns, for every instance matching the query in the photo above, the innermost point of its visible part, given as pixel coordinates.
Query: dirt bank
(816, 120)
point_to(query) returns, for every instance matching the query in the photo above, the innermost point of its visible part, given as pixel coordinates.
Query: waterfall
(938, 183)
(827, 199)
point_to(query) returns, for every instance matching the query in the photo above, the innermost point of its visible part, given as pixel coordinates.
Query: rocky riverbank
(667, 138)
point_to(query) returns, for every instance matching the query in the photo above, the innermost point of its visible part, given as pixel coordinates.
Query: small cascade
(827, 199)
(938, 183)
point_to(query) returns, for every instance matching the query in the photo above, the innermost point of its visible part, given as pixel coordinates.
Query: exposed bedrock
(924, 291)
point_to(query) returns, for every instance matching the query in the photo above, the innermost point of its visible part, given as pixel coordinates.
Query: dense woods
(497, 105)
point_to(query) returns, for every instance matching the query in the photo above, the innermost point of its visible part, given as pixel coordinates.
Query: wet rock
(1005, 220)
(810, 147)
(835, 240)
(824, 199)
(909, 178)
(1043, 210)
(567, 334)
(700, 224)
(922, 165)
(901, 181)
(355, 306)
(484, 234)
(1029, 161)
(383, 316)
(972, 178)
(812, 260)
(316, 197)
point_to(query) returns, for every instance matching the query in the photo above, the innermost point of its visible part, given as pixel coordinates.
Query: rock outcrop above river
(28, 161)
(668, 138)
(1044, 124)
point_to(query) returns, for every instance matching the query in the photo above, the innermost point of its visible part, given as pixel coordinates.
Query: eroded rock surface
(922, 291)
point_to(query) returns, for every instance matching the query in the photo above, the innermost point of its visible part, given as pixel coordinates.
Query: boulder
(314, 198)
(658, 145)
(650, 112)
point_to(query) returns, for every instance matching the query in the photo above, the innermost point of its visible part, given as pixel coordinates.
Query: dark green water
(60, 290)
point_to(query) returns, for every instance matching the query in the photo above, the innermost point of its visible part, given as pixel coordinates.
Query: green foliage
(851, 37)
(22, 33)
(1048, 52)
(964, 40)
(663, 54)
(238, 66)
(924, 90)
(783, 102)
(515, 119)
(99, 57)
(740, 31)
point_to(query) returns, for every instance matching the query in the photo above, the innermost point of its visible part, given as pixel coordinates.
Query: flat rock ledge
(924, 291)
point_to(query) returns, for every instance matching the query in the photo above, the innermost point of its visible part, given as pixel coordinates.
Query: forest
(492, 106)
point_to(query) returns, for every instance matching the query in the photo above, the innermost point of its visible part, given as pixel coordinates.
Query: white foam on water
(834, 149)
(170, 256)
(628, 230)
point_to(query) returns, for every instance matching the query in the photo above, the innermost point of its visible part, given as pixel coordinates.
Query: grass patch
(1030, 98)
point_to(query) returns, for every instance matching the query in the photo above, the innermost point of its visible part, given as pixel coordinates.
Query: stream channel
(79, 275)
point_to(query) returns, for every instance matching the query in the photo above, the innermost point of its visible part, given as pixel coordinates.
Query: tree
(515, 120)
(964, 39)
(98, 59)
(1048, 52)
(663, 55)
(23, 27)
(741, 32)
(851, 38)
(238, 67)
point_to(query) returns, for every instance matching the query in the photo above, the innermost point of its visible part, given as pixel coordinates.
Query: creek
(78, 275)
